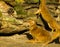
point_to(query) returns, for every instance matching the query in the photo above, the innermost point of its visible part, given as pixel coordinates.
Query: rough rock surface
(15, 24)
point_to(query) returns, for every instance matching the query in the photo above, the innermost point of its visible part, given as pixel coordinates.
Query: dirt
(20, 41)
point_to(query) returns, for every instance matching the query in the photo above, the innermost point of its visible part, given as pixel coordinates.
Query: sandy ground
(20, 41)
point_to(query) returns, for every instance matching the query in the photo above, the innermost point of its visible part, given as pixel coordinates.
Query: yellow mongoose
(47, 16)
(39, 34)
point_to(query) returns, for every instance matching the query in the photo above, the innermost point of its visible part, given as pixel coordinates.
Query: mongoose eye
(56, 16)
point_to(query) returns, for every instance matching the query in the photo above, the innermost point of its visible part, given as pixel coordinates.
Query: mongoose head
(30, 24)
